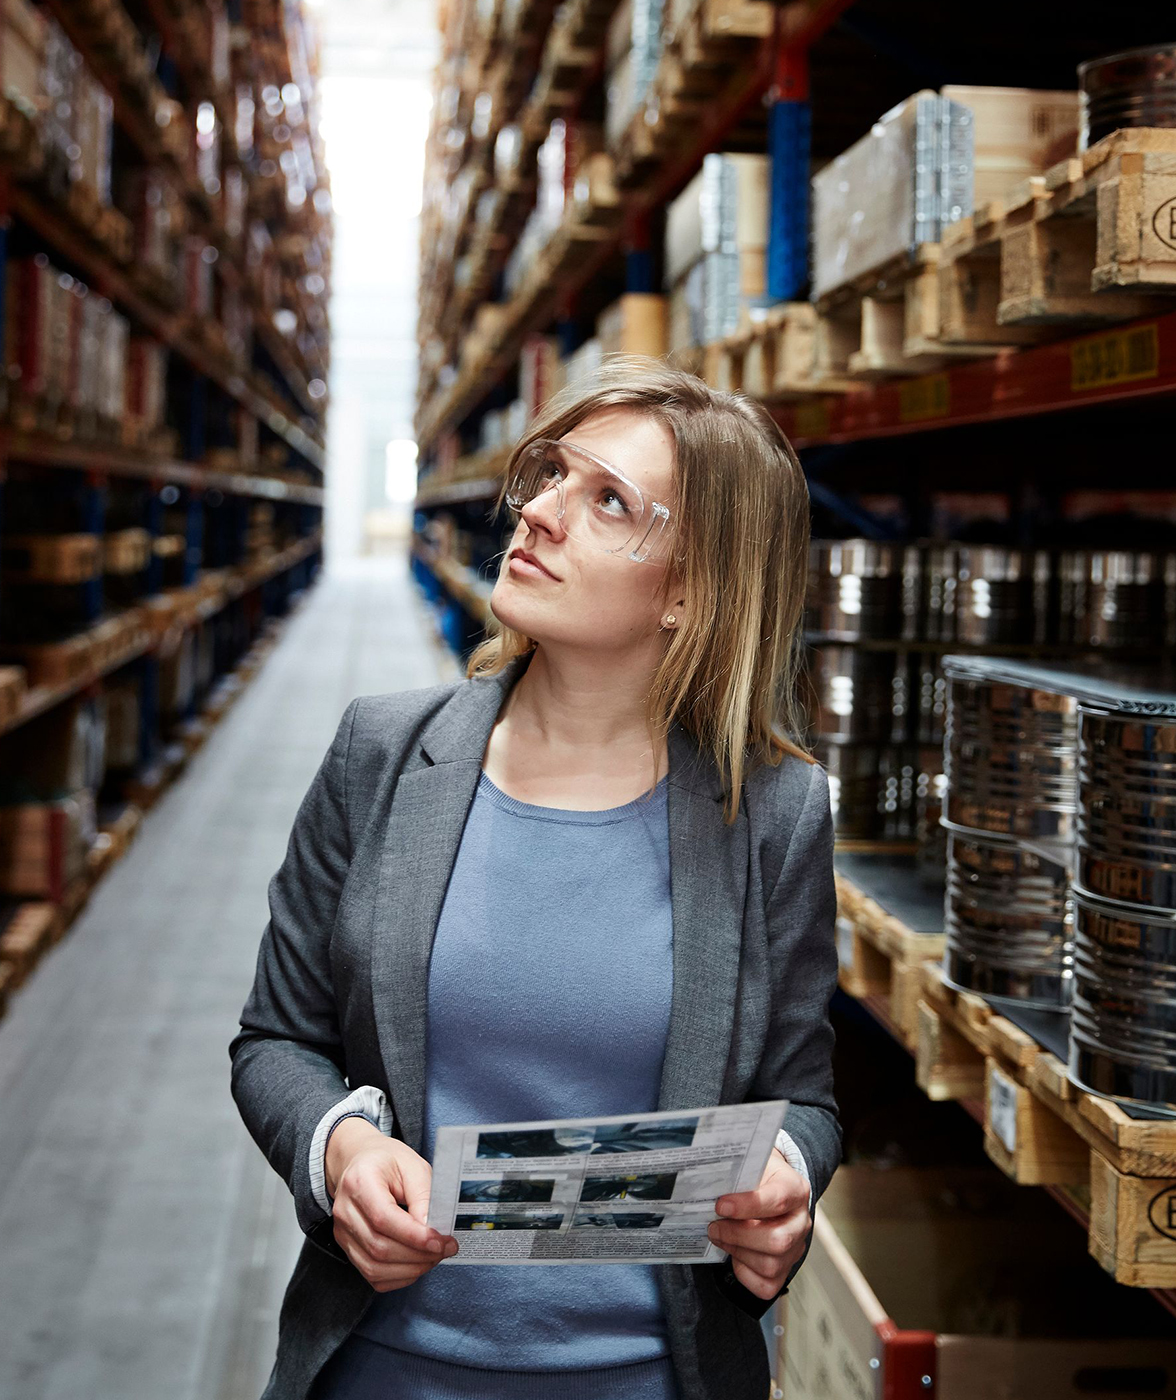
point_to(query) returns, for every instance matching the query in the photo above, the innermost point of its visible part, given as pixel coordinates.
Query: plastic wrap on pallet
(22, 54)
(687, 326)
(507, 148)
(551, 159)
(582, 364)
(1017, 132)
(721, 296)
(886, 194)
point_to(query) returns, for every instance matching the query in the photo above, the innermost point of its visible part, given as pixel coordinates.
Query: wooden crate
(947, 1282)
(1086, 243)
(879, 957)
(1041, 1129)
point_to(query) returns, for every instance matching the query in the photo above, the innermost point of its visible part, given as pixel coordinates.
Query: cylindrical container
(1127, 807)
(1114, 598)
(1008, 921)
(930, 705)
(930, 833)
(871, 789)
(898, 786)
(1009, 759)
(852, 770)
(1002, 594)
(1134, 88)
(857, 591)
(860, 696)
(1123, 1017)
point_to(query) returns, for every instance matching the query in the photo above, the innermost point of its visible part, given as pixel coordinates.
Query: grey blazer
(339, 995)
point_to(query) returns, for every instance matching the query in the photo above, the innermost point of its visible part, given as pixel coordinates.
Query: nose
(543, 512)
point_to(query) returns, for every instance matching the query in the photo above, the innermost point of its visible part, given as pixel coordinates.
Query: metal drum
(856, 590)
(930, 705)
(852, 770)
(1135, 88)
(930, 833)
(1009, 759)
(860, 696)
(1116, 598)
(871, 789)
(1008, 919)
(1127, 807)
(1123, 1017)
(1002, 595)
(928, 592)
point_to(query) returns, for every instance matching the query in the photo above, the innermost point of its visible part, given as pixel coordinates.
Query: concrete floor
(146, 1241)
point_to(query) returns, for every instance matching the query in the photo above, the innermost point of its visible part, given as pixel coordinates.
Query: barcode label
(1002, 1107)
(1115, 358)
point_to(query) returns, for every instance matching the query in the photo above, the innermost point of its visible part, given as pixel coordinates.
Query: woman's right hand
(381, 1204)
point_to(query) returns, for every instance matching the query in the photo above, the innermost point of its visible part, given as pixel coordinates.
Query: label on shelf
(929, 396)
(1115, 357)
(844, 939)
(1002, 1107)
(812, 418)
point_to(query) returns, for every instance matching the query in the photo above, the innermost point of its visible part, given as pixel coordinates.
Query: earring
(670, 620)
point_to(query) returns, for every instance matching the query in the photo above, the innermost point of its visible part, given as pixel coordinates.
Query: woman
(590, 878)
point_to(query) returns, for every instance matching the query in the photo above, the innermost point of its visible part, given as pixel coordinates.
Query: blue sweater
(548, 997)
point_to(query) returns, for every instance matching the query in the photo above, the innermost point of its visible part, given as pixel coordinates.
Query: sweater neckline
(571, 816)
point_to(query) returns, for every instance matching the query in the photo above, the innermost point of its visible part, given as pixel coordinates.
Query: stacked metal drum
(1123, 1020)
(1061, 880)
(881, 612)
(1135, 88)
(1010, 810)
(860, 681)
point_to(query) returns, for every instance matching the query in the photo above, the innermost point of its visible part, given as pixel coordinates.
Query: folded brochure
(637, 1188)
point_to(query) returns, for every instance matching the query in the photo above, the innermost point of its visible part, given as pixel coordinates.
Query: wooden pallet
(1086, 243)
(775, 359)
(881, 960)
(1042, 1130)
(694, 70)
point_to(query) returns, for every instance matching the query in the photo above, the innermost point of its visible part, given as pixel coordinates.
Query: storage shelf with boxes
(166, 263)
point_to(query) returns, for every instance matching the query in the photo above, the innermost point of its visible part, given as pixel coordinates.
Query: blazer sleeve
(797, 1063)
(287, 1061)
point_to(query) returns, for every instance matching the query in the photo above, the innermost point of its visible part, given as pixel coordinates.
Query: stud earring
(670, 620)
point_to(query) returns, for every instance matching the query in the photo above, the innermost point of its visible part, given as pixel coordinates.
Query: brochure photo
(633, 1189)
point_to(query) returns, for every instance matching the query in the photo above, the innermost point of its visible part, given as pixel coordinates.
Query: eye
(622, 505)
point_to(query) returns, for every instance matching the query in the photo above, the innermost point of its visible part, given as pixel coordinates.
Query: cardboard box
(1018, 132)
(960, 1275)
(635, 324)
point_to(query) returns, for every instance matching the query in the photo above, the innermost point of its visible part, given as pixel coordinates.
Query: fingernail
(450, 1250)
(435, 1244)
(724, 1208)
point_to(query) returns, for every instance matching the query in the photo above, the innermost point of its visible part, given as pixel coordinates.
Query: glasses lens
(600, 506)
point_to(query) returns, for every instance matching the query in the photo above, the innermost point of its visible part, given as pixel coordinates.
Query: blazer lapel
(432, 798)
(428, 812)
(708, 886)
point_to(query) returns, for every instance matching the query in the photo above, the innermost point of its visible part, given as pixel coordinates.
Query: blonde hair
(730, 675)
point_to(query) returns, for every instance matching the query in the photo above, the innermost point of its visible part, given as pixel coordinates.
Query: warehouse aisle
(146, 1240)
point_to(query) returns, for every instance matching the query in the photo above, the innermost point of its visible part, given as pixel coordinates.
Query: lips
(530, 558)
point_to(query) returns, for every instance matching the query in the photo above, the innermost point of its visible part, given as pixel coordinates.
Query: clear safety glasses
(594, 502)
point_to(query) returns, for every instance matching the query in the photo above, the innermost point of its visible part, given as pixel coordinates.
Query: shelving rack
(1069, 388)
(212, 240)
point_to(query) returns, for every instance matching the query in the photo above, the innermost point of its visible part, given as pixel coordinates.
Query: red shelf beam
(1135, 360)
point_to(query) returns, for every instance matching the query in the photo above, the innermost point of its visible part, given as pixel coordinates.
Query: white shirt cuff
(795, 1159)
(369, 1101)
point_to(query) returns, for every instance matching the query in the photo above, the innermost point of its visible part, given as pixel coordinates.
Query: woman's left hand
(765, 1229)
